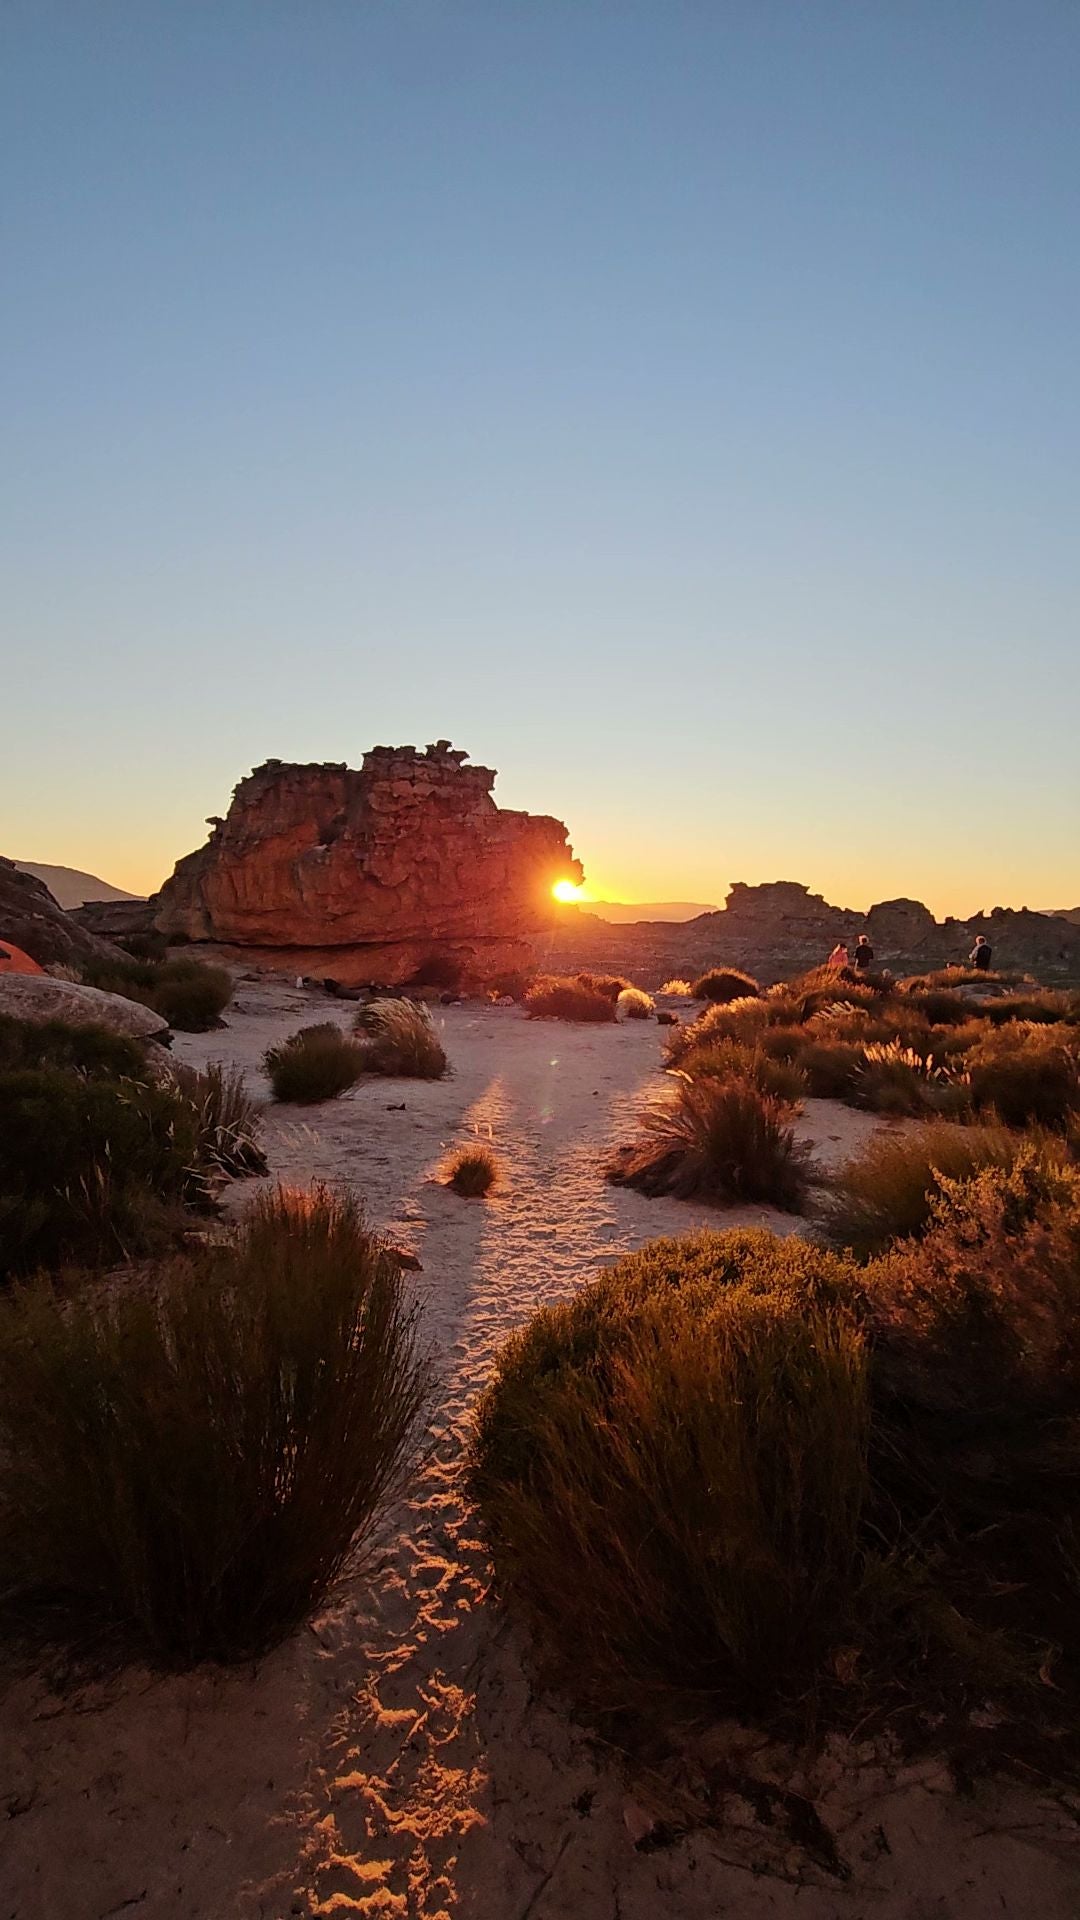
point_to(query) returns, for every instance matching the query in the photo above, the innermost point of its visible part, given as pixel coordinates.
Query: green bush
(398, 1038)
(888, 1191)
(730, 1060)
(1039, 1009)
(472, 1171)
(721, 984)
(830, 1067)
(895, 1079)
(187, 993)
(671, 1469)
(200, 1458)
(91, 1169)
(717, 1140)
(558, 998)
(315, 1063)
(53, 1043)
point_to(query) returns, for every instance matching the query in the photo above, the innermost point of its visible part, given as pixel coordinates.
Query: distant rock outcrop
(780, 929)
(365, 875)
(31, 919)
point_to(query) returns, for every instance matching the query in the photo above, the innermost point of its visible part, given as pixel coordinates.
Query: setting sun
(567, 892)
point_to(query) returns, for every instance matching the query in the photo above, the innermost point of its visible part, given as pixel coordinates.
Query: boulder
(37, 997)
(369, 875)
(31, 919)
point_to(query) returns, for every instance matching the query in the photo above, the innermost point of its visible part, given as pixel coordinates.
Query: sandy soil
(395, 1758)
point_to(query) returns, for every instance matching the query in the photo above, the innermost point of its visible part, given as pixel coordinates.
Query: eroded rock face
(366, 874)
(31, 919)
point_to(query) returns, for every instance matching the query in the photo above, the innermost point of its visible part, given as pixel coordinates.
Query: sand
(397, 1757)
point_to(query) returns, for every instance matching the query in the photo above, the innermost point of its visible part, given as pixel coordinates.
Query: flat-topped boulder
(37, 997)
(367, 873)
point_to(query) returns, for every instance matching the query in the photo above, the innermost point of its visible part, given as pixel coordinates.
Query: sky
(673, 402)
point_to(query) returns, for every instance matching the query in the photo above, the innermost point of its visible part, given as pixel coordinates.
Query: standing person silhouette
(839, 956)
(980, 954)
(864, 953)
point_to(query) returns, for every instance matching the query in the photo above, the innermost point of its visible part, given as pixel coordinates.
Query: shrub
(185, 992)
(609, 984)
(730, 1060)
(830, 1067)
(742, 1020)
(887, 1193)
(1039, 1009)
(201, 1458)
(959, 976)
(555, 998)
(91, 1169)
(632, 1004)
(316, 1063)
(892, 1078)
(717, 1140)
(676, 989)
(671, 1469)
(472, 1172)
(514, 984)
(984, 1312)
(52, 1043)
(226, 1120)
(398, 1038)
(439, 970)
(721, 984)
(1025, 1075)
(937, 1005)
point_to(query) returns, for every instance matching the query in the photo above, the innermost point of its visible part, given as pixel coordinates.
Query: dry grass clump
(721, 984)
(671, 1469)
(1042, 1008)
(513, 984)
(888, 1191)
(315, 1063)
(633, 1004)
(472, 1171)
(397, 1037)
(187, 993)
(676, 990)
(198, 1458)
(718, 1140)
(558, 997)
(731, 1060)
(960, 976)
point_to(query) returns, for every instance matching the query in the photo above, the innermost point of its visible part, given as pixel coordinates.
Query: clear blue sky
(676, 404)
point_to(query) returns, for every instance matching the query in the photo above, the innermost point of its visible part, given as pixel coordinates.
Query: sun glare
(566, 891)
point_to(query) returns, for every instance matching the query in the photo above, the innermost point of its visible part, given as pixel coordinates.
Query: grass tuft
(315, 1063)
(472, 1171)
(721, 984)
(888, 1191)
(398, 1038)
(718, 1140)
(633, 1004)
(199, 1457)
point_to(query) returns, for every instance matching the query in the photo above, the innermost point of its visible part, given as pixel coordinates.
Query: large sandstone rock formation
(366, 875)
(31, 919)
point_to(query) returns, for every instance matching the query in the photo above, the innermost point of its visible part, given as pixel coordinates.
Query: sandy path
(394, 1759)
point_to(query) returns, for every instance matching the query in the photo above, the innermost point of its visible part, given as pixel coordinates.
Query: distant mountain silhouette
(620, 911)
(70, 888)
